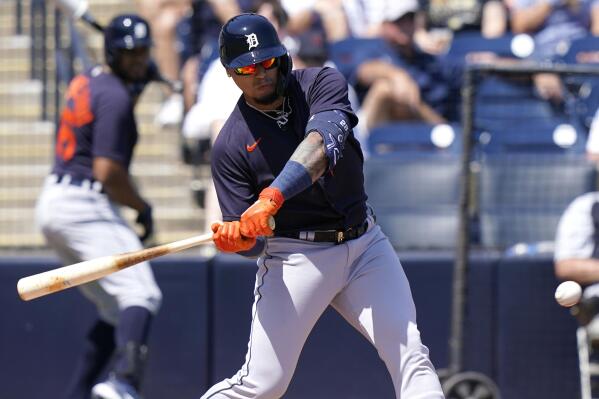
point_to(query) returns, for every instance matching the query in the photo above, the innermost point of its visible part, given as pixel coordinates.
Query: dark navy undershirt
(336, 200)
(97, 121)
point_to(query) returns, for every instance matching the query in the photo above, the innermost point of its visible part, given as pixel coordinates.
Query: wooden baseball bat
(59, 279)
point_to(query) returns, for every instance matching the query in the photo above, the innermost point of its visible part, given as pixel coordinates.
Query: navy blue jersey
(251, 150)
(97, 121)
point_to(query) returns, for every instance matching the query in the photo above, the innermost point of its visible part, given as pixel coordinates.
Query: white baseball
(568, 293)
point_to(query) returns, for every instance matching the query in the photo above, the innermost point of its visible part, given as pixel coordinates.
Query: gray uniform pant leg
(81, 224)
(296, 281)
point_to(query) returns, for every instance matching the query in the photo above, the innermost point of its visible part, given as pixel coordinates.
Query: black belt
(76, 181)
(336, 236)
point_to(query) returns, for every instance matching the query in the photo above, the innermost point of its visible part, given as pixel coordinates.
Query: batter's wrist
(293, 179)
(274, 195)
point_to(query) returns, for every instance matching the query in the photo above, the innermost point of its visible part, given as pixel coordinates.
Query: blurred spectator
(309, 49)
(306, 15)
(403, 82)
(301, 15)
(163, 16)
(364, 18)
(440, 19)
(199, 37)
(553, 24)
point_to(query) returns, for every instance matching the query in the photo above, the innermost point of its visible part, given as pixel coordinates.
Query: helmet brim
(254, 57)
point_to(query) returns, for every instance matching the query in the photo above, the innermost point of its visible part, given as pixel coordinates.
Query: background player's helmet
(127, 31)
(249, 39)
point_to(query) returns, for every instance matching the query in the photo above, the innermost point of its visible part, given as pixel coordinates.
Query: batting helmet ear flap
(286, 64)
(285, 67)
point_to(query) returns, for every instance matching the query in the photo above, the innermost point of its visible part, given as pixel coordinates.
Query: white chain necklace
(282, 115)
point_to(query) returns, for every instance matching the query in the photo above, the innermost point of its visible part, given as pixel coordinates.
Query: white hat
(395, 9)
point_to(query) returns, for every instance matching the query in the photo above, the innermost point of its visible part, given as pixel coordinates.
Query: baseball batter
(78, 210)
(287, 150)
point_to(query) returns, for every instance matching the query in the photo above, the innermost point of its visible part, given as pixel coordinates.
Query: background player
(78, 210)
(288, 150)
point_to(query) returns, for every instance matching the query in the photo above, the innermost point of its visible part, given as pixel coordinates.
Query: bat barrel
(83, 272)
(65, 277)
(30, 288)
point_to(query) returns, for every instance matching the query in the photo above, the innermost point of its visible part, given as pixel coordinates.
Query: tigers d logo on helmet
(252, 41)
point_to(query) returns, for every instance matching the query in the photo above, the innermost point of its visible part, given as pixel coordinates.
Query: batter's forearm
(320, 149)
(303, 168)
(311, 155)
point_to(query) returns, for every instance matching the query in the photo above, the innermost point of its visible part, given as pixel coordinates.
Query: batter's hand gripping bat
(76, 274)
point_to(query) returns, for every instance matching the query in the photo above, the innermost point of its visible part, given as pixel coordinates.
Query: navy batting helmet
(127, 31)
(249, 39)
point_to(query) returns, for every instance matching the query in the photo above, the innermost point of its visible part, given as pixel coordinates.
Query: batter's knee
(397, 345)
(270, 390)
(275, 385)
(274, 390)
(240, 388)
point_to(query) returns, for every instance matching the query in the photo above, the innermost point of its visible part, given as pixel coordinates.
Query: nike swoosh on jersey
(252, 147)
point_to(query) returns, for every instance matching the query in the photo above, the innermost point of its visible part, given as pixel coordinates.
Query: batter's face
(260, 88)
(133, 64)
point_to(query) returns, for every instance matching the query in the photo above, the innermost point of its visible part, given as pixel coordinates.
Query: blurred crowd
(401, 71)
(397, 56)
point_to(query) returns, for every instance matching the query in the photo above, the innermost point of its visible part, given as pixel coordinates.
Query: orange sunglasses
(251, 69)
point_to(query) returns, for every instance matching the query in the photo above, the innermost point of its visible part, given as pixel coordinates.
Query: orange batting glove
(255, 220)
(228, 238)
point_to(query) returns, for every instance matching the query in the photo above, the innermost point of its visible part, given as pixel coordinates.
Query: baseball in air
(568, 293)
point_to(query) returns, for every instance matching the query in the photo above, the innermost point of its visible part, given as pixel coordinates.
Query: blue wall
(515, 333)
(40, 339)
